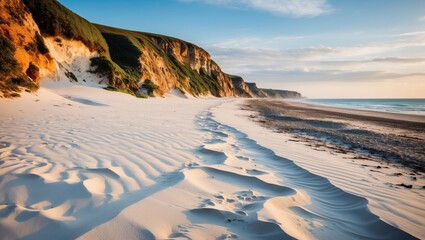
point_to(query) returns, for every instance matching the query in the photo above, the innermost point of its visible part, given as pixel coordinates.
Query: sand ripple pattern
(65, 172)
(273, 198)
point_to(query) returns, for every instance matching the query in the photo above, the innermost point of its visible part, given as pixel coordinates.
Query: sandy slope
(80, 162)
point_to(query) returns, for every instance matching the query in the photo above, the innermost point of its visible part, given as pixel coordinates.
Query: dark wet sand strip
(390, 137)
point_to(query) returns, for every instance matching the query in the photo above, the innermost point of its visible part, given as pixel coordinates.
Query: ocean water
(406, 106)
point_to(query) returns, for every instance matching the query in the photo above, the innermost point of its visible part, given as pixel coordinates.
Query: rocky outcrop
(201, 75)
(241, 87)
(274, 93)
(250, 90)
(254, 89)
(165, 63)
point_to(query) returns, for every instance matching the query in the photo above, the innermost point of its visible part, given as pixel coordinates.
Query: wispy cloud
(395, 58)
(296, 8)
(421, 33)
(247, 42)
(421, 18)
(398, 60)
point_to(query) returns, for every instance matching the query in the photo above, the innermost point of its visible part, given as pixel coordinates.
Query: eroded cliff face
(255, 90)
(184, 52)
(156, 68)
(274, 93)
(71, 59)
(197, 59)
(29, 59)
(250, 90)
(241, 88)
(45, 39)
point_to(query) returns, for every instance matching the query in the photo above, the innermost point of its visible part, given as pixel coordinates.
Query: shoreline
(378, 182)
(363, 112)
(368, 105)
(391, 138)
(193, 168)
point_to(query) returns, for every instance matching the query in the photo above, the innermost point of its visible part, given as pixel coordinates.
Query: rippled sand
(79, 162)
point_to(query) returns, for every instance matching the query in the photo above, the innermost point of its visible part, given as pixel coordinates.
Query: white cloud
(392, 58)
(422, 33)
(297, 8)
(247, 42)
(398, 60)
(421, 18)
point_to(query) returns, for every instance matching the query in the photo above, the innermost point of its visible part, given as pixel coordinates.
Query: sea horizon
(414, 106)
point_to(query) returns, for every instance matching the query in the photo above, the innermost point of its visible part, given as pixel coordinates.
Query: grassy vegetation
(8, 63)
(16, 12)
(199, 83)
(120, 51)
(150, 86)
(126, 55)
(54, 19)
(102, 67)
(122, 90)
(37, 46)
(12, 79)
(12, 86)
(71, 76)
(22, 81)
(41, 47)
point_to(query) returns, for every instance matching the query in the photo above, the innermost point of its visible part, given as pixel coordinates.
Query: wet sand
(390, 137)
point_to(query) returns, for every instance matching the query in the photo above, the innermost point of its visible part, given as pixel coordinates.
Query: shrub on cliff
(71, 76)
(102, 67)
(41, 46)
(8, 63)
(150, 86)
(11, 76)
(119, 79)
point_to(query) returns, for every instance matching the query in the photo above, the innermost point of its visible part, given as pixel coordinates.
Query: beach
(84, 163)
(390, 137)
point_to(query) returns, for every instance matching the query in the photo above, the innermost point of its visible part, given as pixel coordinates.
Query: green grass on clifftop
(54, 19)
(120, 50)
(199, 83)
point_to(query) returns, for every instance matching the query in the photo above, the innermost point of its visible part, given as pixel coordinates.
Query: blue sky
(318, 47)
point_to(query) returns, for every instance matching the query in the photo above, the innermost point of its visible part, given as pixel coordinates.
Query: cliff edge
(42, 39)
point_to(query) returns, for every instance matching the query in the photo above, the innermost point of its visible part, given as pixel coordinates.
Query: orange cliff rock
(18, 26)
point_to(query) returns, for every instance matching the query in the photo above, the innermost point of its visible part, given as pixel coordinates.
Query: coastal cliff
(275, 93)
(42, 39)
(250, 90)
(242, 89)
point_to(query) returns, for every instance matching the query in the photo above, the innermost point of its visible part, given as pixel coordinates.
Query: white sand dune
(81, 162)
